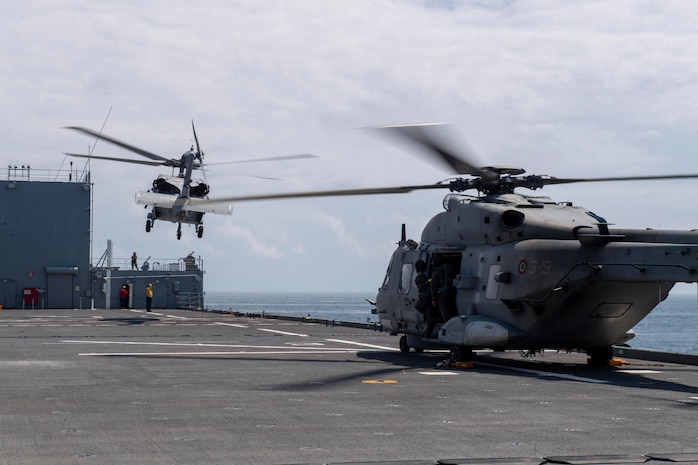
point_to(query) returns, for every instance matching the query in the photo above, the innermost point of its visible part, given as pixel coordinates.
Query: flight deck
(182, 387)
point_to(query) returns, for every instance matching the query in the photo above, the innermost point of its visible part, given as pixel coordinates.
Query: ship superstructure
(45, 251)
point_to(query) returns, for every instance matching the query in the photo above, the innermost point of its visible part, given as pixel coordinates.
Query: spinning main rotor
(488, 180)
(157, 160)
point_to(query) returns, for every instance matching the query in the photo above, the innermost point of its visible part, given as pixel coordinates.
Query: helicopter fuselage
(532, 274)
(171, 199)
(175, 185)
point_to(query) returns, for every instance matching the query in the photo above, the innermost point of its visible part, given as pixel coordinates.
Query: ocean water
(339, 306)
(671, 326)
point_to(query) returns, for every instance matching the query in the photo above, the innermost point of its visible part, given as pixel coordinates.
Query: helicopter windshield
(405, 278)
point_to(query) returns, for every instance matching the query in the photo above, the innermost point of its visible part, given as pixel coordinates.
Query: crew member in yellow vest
(148, 297)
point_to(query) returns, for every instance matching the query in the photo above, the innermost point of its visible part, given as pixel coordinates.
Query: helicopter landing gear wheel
(148, 225)
(179, 231)
(404, 347)
(461, 353)
(200, 230)
(600, 356)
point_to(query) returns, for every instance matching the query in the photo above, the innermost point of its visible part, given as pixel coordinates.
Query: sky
(567, 89)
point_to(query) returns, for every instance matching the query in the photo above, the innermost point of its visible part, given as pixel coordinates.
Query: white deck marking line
(237, 325)
(242, 352)
(639, 372)
(245, 349)
(276, 331)
(438, 373)
(192, 344)
(361, 344)
(546, 373)
(135, 310)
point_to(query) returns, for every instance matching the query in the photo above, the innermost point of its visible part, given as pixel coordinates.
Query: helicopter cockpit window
(386, 280)
(405, 278)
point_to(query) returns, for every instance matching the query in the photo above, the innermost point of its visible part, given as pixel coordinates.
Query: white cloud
(561, 88)
(340, 232)
(256, 246)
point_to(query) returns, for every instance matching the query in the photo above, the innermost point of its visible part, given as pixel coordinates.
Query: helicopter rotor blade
(254, 160)
(144, 153)
(431, 137)
(196, 139)
(126, 160)
(199, 154)
(250, 176)
(459, 185)
(555, 181)
(329, 193)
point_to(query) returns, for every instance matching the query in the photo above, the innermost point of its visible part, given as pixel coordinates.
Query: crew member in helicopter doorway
(148, 297)
(443, 292)
(423, 304)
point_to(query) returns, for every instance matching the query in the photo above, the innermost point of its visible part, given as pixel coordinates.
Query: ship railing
(27, 173)
(188, 263)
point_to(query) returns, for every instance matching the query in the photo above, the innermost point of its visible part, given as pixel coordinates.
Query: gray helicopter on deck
(177, 198)
(509, 271)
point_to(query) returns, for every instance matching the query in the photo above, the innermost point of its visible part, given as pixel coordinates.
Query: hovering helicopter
(177, 198)
(516, 272)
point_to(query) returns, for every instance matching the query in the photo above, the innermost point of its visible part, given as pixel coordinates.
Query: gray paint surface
(179, 387)
(45, 238)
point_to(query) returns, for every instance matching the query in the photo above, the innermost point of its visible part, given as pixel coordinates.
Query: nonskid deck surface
(180, 387)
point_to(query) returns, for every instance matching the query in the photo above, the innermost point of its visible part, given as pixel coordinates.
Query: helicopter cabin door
(444, 268)
(402, 282)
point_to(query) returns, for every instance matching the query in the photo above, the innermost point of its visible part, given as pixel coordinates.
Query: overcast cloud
(588, 88)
